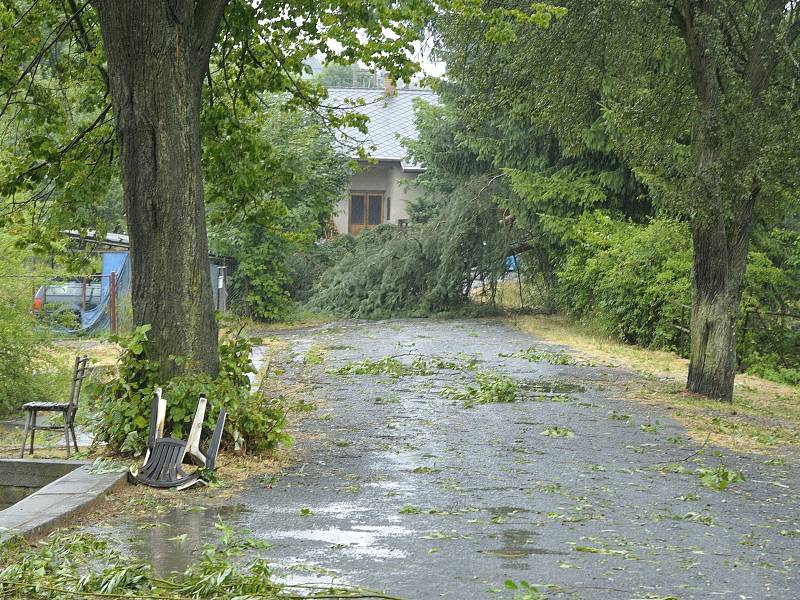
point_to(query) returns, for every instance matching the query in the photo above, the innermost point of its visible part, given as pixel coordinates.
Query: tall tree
(153, 57)
(294, 173)
(698, 97)
(157, 55)
(733, 55)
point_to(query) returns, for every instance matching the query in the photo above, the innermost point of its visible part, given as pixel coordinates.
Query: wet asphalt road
(411, 493)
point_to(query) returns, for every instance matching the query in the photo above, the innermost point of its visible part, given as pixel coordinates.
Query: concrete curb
(56, 504)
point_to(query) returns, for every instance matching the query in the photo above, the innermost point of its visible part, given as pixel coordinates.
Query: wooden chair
(67, 409)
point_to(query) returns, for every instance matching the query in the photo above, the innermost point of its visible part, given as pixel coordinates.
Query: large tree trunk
(715, 289)
(157, 53)
(720, 261)
(718, 272)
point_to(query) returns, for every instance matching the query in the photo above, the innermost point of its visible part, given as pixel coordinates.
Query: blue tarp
(99, 318)
(511, 263)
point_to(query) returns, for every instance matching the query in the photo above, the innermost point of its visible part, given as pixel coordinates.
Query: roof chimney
(389, 88)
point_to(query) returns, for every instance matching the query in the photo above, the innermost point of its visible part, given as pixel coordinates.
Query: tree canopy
(85, 84)
(690, 104)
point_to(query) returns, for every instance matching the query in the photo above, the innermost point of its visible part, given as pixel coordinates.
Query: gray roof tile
(391, 118)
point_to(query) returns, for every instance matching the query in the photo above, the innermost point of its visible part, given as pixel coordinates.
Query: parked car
(66, 296)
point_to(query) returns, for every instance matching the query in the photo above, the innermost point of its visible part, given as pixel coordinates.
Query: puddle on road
(518, 544)
(403, 460)
(505, 511)
(393, 488)
(342, 510)
(360, 541)
(553, 387)
(157, 540)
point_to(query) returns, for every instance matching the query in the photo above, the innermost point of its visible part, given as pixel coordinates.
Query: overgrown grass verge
(764, 416)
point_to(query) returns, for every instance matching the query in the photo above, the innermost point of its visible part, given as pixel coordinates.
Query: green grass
(764, 415)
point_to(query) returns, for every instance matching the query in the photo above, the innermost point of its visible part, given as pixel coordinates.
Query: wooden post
(112, 302)
(83, 295)
(217, 287)
(222, 291)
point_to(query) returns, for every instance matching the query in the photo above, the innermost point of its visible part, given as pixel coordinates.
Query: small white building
(381, 188)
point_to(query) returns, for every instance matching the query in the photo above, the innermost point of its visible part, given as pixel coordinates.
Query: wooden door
(366, 211)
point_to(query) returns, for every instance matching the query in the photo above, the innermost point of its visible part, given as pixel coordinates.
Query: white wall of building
(389, 179)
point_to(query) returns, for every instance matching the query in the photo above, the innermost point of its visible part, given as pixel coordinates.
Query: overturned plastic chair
(163, 461)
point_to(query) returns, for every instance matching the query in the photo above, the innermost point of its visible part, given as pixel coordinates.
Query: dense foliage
(455, 246)
(57, 143)
(76, 80)
(770, 317)
(27, 373)
(255, 422)
(633, 282)
(347, 76)
(430, 268)
(641, 147)
(629, 280)
(584, 191)
(284, 181)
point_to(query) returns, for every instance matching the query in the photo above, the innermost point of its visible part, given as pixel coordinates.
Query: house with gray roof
(381, 188)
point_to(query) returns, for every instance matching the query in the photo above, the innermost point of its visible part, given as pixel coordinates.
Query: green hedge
(630, 281)
(27, 369)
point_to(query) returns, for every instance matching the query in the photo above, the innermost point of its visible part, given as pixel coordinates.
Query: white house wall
(387, 178)
(403, 191)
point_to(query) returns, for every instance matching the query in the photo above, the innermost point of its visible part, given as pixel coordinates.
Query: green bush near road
(26, 372)
(255, 422)
(631, 281)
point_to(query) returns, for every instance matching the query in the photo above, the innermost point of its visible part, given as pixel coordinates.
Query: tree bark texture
(720, 241)
(158, 52)
(718, 273)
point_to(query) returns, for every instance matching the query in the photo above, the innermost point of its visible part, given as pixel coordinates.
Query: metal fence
(98, 302)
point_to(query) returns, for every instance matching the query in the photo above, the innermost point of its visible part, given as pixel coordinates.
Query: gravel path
(400, 489)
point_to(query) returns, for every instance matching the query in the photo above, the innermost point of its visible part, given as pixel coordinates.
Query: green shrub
(255, 422)
(767, 343)
(768, 365)
(27, 370)
(628, 279)
(19, 344)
